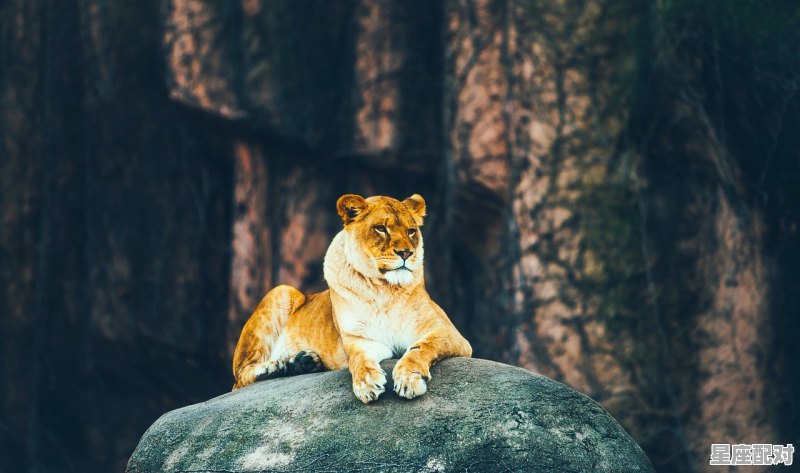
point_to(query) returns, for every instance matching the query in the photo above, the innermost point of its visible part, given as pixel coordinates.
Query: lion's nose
(405, 254)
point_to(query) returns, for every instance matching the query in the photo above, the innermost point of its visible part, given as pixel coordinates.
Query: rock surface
(478, 415)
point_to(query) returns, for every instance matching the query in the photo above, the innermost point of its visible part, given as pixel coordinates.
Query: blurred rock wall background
(613, 191)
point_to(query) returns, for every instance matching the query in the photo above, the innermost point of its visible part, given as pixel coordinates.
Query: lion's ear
(416, 204)
(350, 206)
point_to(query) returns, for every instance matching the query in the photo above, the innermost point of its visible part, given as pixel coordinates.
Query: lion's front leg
(412, 372)
(363, 360)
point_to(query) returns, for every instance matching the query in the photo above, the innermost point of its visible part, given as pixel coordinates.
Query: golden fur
(376, 307)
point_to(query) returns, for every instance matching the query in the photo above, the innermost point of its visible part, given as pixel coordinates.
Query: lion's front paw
(410, 381)
(368, 384)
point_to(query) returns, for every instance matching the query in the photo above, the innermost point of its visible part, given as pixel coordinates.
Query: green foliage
(612, 265)
(608, 216)
(753, 33)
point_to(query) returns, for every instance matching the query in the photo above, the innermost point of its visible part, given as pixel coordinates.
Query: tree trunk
(251, 266)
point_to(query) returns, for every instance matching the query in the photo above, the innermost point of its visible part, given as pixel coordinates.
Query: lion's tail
(262, 331)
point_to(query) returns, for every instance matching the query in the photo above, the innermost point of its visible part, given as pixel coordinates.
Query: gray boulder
(477, 415)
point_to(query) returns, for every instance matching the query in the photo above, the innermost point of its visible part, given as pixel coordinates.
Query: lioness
(376, 307)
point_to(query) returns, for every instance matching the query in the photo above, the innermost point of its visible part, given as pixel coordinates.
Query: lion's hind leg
(273, 369)
(250, 374)
(305, 362)
(301, 363)
(259, 352)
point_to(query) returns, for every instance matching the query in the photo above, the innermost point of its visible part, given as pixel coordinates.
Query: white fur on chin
(400, 277)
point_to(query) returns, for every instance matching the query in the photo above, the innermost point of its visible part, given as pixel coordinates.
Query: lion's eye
(412, 232)
(380, 229)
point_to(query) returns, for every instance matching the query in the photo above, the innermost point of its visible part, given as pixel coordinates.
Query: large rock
(478, 415)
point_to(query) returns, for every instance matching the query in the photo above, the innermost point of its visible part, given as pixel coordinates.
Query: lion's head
(384, 240)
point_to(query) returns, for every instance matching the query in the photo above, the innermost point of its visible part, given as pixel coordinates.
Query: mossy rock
(477, 415)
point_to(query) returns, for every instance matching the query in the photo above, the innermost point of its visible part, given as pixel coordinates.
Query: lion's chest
(390, 324)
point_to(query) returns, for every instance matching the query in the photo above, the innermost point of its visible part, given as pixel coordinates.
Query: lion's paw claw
(369, 387)
(409, 384)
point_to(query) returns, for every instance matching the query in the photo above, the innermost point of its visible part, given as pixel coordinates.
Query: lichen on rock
(478, 415)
